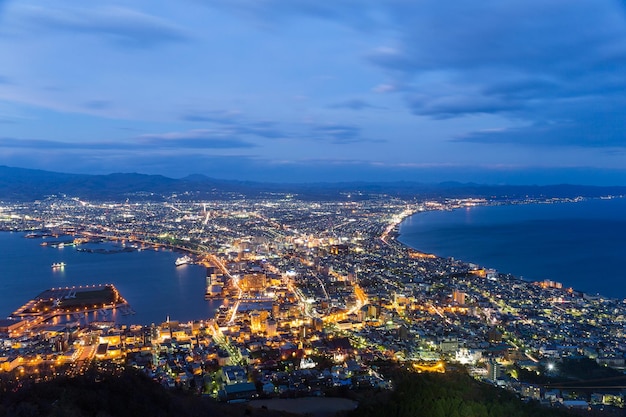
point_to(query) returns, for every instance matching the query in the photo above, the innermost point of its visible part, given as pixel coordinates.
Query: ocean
(580, 244)
(149, 280)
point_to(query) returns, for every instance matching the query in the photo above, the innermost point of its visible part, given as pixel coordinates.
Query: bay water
(580, 244)
(148, 279)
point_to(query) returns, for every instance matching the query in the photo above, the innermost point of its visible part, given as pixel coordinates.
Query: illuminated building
(255, 321)
(550, 284)
(11, 327)
(271, 328)
(458, 297)
(256, 281)
(339, 249)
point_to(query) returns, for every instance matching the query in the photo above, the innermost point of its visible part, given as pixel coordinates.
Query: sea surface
(147, 279)
(580, 244)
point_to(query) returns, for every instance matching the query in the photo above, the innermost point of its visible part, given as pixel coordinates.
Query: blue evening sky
(492, 91)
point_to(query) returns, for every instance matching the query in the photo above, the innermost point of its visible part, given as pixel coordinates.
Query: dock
(75, 301)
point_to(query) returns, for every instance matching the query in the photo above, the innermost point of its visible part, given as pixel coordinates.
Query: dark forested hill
(129, 394)
(453, 394)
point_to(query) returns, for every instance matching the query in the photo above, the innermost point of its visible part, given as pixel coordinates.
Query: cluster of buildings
(315, 295)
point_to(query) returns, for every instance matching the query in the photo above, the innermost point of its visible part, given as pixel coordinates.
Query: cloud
(98, 104)
(520, 59)
(41, 144)
(338, 134)
(455, 105)
(494, 42)
(555, 67)
(163, 160)
(120, 25)
(232, 123)
(353, 104)
(533, 62)
(192, 140)
(589, 125)
(384, 88)
(266, 129)
(215, 116)
(361, 14)
(173, 154)
(532, 35)
(199, 138)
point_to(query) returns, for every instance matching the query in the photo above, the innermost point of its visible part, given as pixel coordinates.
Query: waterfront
(580, 244)
(350, 295)
(147, 279)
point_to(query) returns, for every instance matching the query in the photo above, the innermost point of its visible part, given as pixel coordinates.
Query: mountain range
(21, 184)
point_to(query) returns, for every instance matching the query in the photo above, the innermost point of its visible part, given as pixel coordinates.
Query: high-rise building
(494, 370)
(458, 297)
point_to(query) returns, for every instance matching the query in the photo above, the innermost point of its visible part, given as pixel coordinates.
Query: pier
(73, 301)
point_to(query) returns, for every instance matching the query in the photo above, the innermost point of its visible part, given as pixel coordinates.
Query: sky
(490, 91)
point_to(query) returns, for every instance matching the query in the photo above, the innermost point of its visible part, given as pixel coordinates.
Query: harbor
(66, 304)
(149, 280)
(62, 301)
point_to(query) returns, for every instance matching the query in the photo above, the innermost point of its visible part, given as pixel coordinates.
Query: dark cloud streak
(195, 139)
(213, 116)
(338, 134)
(98, 104)
(192, 140)
(232, 123)
(354, 104)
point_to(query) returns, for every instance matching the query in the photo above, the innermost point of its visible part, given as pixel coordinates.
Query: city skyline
(303, 91)
(313, 296)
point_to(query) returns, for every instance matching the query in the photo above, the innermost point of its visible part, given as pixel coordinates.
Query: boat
(58, 265)
(183, 260)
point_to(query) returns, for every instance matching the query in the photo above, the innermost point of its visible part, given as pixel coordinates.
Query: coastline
(148, 279)
(397, 236)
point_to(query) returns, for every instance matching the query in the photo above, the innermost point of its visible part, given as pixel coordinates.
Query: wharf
(70, 300)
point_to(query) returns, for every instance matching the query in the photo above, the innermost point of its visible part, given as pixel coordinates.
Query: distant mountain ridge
(21, 184)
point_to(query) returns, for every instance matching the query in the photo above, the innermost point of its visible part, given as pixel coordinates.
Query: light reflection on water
(147, 279)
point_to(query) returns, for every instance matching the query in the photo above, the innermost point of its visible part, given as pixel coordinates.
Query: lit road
(224, 343)
(85, 355)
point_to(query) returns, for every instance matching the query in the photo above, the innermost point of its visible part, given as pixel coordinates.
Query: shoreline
(394, 233)
(141, 276)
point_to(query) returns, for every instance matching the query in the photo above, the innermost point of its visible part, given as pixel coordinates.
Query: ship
(58, 265)
(183, 260)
